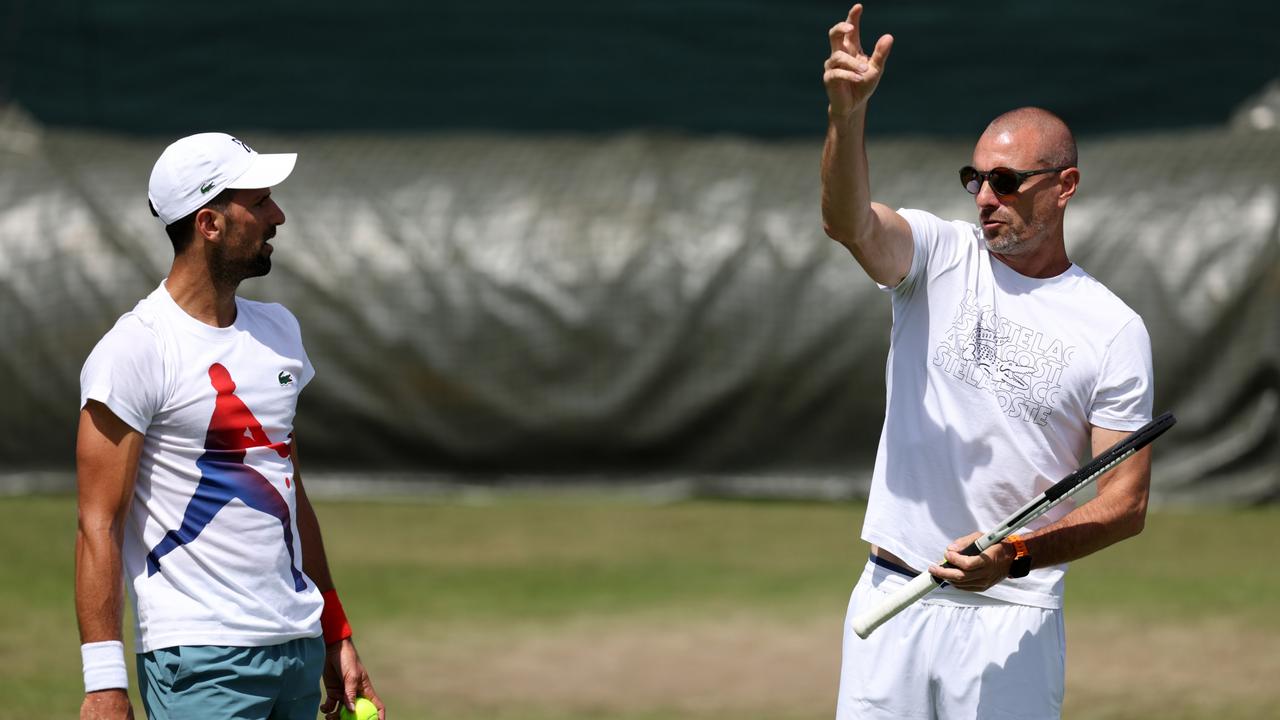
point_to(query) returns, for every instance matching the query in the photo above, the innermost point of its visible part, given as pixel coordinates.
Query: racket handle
(920, 585)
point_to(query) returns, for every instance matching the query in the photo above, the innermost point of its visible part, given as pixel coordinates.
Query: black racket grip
(970, 549)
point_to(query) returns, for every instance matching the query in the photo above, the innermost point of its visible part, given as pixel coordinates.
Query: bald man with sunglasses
(1008, 366)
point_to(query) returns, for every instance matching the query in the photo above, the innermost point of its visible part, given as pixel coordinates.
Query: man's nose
(277, 213)
(986, 197)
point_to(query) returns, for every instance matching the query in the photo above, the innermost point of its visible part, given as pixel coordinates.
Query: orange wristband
(1018, 545)
(333, 620)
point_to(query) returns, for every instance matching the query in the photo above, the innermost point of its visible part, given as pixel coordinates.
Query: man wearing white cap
(189, 486)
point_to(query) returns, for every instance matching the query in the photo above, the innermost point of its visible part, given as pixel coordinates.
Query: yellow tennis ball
(365, 710)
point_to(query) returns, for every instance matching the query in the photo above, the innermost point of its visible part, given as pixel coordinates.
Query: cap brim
(266, 171)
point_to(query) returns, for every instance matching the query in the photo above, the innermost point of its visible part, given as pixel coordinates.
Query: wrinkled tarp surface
(639, 302)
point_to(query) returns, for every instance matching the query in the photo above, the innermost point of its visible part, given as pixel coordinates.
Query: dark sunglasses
(1004, 181)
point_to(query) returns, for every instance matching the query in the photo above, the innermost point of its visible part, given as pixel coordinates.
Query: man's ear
(1070, 183)
(210, 224)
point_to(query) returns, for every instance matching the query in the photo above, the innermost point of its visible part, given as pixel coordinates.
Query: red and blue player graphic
(224, 477)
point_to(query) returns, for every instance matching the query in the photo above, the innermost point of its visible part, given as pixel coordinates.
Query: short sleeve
(308, 371)
(1124, 394)
(926, 232)
(126, 373)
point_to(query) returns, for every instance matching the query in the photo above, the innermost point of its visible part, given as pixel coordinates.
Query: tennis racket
(924, 583)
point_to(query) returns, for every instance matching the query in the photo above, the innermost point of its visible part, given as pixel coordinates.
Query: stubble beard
(1006, 243)
(1013, 242)
(232, 271)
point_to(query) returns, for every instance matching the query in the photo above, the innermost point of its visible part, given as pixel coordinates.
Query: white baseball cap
(193, 170)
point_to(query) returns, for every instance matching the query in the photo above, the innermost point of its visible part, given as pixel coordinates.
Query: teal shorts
(207, 682)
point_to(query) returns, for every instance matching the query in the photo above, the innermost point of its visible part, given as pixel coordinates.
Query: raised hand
(850, 75)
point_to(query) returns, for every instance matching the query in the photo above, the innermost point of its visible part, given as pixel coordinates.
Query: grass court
(590, 607)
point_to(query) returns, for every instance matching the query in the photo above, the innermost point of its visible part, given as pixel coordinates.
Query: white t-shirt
(216, 407)
(993, 381)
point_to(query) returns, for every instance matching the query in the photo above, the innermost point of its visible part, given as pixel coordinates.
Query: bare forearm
(1119, 511)
(1104, 521)
(877, 237)
(314, 561)
(107, 454)
(846, 192)
(99, 588)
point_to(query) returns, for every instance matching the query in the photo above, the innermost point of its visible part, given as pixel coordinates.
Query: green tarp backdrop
(707, 66)
(574, 238)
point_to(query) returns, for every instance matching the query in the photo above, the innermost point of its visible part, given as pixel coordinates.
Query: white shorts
(953, 655)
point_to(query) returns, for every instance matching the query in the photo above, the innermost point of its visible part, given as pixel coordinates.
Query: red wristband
(333, 621)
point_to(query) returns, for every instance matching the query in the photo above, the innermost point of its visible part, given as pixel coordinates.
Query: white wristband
(104, 666)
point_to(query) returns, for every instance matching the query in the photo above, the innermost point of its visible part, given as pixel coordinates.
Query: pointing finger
(852, 43)
(855, 12)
